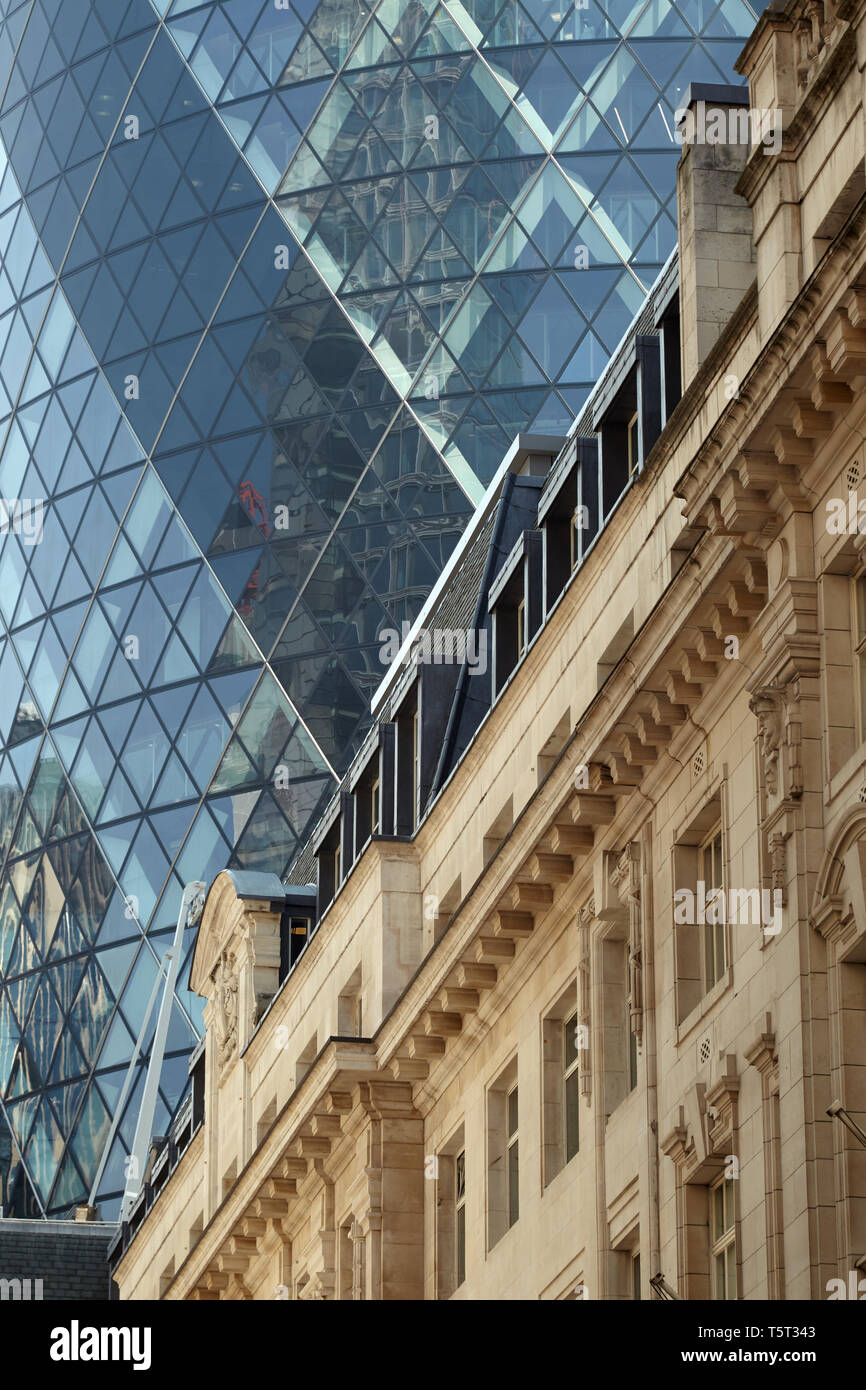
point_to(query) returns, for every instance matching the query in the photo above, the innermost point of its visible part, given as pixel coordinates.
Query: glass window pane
(717, 1225)
(513, 1183)
(719, 932)
(709, 954)
(572, 1115)
(861, 607)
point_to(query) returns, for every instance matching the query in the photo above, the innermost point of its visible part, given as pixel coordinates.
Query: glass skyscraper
(280, 282)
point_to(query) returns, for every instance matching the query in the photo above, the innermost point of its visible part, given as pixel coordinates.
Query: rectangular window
(860, 650)
(575, 538)
(701, 946)
(571, 1088)
(450, 1215)
(521, 628)
(635, 1276)
(723, 1244)
(460, 1217)
(338, 860)
(560, 1084)
(375, 809)
(294, 934)
(408, 771)
(503, 1155)
(345, 1258)
(513, 1160)
(715, 963)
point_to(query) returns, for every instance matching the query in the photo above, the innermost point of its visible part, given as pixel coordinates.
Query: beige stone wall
(314, 1173)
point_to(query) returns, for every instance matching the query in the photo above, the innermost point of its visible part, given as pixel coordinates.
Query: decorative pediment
(704, 1137)
(839, 905)
(721, 1101)
(237, 955)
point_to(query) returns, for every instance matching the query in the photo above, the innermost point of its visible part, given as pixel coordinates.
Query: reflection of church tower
(5, 1165)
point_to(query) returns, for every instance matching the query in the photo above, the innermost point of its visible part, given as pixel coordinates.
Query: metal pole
(128, 1079)
(191, 905)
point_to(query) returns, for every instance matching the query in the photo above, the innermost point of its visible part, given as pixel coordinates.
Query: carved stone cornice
(676, 1144)
(762, 1054)
(831, 921)
(839, 903)
(730, 485)
(704, 1136)
(721, 1100)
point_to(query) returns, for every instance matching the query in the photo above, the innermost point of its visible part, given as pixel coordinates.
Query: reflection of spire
(254, 505)
(5, 1164)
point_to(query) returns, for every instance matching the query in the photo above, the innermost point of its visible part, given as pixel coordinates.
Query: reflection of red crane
(254, 505)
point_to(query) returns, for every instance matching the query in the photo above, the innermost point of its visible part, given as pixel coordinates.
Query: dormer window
(297, 924)
(629, 417)
(416, 763)
(371, 785)
(515, 601)
(633, 445)
(575, 537)
(568, 515)
(334, 849)
(330, 856)
(408, 762)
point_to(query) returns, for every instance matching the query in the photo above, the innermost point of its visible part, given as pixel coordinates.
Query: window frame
(723, 1244)
(416, 766)
(714, 946)
(858, 635)
(574, 534)
(512, 1158)
(460, 1219)
(570, 1074)
(633, 438)
(692, 996)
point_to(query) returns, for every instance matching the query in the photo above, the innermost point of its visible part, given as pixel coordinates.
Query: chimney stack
(716, 250)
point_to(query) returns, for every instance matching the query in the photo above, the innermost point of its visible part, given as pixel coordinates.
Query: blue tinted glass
(423, 249)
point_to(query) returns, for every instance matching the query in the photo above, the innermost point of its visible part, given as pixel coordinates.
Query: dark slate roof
(462, 602)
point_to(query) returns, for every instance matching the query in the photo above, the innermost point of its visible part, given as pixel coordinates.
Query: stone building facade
(583, 973)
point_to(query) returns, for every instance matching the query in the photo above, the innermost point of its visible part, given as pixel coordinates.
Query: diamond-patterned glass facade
(279, 282)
